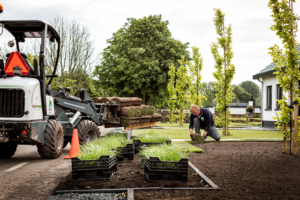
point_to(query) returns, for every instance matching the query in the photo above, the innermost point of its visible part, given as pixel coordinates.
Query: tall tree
(181, 87)
(287, 68)
(252, 88)
(209, 92)
(136, 61)
(172, 92)
(195, 68)
(224, 68)
(241, 94)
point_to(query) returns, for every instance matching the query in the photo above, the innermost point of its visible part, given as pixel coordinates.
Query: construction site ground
(242, 170)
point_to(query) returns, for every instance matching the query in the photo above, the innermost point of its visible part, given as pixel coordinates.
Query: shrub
(250, 109)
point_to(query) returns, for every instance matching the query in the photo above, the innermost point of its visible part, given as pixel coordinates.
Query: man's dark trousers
(212, 131)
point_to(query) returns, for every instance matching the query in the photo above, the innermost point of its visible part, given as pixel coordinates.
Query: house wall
(268, 114)
(211, 109)
(257, 110)
(235, 110)
(240, 111)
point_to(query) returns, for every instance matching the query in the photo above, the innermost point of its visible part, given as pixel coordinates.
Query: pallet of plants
(98, 159)
(149, 138)
(166, 163)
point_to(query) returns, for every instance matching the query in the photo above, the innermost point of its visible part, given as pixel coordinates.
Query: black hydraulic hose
(56, 62)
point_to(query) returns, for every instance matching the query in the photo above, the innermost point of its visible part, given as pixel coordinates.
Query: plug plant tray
(126, 153)
(140, 145)
(101, 169)
(157, 170)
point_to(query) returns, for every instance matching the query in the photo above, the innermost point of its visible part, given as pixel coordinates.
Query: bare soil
(242, 170)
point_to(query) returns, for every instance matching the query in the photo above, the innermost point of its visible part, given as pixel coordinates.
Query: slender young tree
(224, 68)
(287, 69)
(181, 89)
(195, 68)
(172, 92)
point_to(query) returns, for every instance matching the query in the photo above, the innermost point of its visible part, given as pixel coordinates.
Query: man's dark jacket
(206, 119)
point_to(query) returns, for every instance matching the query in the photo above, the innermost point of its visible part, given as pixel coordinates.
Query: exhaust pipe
(74, 118)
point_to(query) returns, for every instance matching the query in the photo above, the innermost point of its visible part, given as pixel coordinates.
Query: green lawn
(186, 125)
(236, 134)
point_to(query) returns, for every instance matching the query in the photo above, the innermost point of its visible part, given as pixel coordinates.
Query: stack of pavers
(131, 110)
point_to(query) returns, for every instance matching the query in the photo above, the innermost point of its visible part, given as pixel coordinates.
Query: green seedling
(103, 146)
(151, 136)
(165, 152)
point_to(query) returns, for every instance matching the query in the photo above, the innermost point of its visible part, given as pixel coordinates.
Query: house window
(279, 91)
(269, 97)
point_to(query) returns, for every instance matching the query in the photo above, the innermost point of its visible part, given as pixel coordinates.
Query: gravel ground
(87, 196)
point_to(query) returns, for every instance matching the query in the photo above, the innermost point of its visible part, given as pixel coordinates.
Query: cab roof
(29, 28)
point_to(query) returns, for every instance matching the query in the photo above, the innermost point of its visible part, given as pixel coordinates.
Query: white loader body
(33, 103)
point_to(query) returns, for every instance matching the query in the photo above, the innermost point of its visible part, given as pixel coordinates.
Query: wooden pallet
(134, 126)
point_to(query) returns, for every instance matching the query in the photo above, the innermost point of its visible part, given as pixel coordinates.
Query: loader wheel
(87, 131)
(54, 140)
(7, 150)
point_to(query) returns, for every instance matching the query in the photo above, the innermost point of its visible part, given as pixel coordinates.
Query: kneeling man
(201, 118)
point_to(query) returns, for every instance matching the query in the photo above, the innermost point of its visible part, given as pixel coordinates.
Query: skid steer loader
(33, 114)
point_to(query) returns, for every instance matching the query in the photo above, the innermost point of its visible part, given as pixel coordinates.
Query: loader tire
(7, 150)
(87, 131)
(54, 140)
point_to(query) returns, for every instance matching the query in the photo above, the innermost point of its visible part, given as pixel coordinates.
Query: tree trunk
(291, 123)
(149, 101)
(284, 138)
(181, 123)
(226, 131)
(144, 99)
(296, 129)
(171, 116)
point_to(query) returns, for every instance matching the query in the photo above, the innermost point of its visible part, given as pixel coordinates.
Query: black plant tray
(126, 153)
(143, 161)
(101, 169)
(157, 170)
(139, 145)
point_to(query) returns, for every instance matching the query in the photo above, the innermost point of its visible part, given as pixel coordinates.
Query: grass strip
(182, 144)
(235, 134)
(152, 136)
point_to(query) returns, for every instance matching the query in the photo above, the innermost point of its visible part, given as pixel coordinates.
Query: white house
(237, 108)
(270, 91)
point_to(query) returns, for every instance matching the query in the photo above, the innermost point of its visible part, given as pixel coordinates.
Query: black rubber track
(7, 150)
(84, 127)
(49, 149)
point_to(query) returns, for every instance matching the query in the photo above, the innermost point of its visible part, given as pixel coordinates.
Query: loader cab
(23, 30)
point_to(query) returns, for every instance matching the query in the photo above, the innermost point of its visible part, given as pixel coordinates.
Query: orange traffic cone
(75, 148)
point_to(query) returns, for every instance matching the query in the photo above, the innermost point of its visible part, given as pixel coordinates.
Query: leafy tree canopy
(252, 88)
(137, 59)
(241, 94)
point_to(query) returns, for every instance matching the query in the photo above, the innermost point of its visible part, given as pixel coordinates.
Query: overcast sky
(189, 21)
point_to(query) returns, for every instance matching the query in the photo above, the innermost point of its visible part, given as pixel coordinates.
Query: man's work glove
(191, 135)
